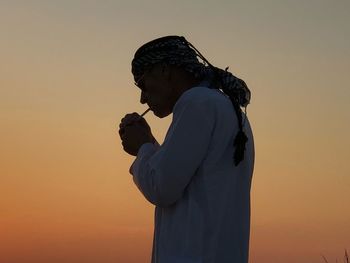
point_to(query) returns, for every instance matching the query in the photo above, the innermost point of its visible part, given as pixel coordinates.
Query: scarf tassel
(239, 142)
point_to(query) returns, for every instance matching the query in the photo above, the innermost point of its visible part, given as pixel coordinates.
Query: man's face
(156, 90)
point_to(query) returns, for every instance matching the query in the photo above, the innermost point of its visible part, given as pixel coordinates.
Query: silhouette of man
(199, 179)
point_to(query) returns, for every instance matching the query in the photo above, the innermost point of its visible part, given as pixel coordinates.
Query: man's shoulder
(204, 95)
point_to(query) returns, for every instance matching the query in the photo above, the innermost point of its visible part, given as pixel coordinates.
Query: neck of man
(182, 83)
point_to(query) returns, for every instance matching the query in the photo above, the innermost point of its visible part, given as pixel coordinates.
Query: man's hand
(134, 131)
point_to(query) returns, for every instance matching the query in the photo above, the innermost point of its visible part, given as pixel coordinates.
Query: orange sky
(65, 83)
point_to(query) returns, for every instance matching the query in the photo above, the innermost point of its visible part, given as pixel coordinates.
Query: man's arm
(162, 173)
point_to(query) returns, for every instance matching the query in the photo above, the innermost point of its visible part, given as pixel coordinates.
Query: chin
(161, 114)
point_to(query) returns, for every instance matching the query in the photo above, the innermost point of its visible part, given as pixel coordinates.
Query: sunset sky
(65, 84)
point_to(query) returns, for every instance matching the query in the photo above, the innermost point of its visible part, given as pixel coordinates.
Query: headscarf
(176, 50)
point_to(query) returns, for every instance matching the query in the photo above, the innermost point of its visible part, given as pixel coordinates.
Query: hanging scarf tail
(239, 142)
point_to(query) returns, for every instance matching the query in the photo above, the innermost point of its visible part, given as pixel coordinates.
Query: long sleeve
(162, 173)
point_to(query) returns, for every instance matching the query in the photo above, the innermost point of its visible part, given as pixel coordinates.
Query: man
(199, 179)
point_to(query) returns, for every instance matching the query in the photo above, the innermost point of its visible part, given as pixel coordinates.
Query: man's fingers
(129, 118)
(121, 132)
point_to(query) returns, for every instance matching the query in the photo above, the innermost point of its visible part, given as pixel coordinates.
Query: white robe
(202, 200)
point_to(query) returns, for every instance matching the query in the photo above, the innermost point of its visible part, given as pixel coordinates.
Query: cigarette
(143, 114)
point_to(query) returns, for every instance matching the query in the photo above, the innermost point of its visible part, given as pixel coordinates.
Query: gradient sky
(65, 83)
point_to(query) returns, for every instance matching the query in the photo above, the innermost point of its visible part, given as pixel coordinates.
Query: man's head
(182, 57)
(163, 69)
(162, 85)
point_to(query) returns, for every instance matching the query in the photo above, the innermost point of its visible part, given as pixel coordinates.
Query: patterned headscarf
(176, 50)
